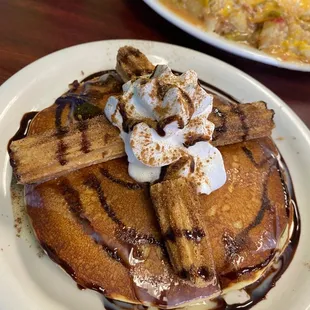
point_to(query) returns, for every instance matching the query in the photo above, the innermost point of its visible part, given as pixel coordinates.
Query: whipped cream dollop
(163, 120)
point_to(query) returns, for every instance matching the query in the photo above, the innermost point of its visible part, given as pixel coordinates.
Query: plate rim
(222, 43)
(14, 78)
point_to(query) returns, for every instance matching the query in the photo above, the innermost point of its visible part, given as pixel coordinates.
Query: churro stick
(178, 210)
(131, 63)
(236, 122)
(38, 158)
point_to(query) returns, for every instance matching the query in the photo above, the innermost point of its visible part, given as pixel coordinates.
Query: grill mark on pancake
(85, 144)
(265, 201)
(127, 234)
(265, 205)
(196, 234)
(128, 185)
(281, 167)
(72, 197)
(242, 119)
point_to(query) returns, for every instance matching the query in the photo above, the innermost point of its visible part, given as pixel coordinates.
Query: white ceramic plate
(30, 282)
(222, 43)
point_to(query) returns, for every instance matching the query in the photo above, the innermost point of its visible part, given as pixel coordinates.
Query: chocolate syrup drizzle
(72, 197)
(21, 133)
(60, 133)
(196, 234)
(265, 205)
(219, 130)
(68, 269)
(128, 185)
(85, 144)
(131, 236)
(73, 101)
(127, 234)
(234, 245)
(250, 156)
(242, 118)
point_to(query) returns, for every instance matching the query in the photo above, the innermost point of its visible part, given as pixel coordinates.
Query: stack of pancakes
(100, 225)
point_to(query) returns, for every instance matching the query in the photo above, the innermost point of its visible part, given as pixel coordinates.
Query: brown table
(30, 29)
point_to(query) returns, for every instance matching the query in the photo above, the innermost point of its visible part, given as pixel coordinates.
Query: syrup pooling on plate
(111, 177)
(22, 131)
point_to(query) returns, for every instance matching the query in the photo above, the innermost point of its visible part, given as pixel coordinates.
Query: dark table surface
(30, 29)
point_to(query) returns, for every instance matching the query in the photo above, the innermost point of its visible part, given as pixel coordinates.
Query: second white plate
(222, 43)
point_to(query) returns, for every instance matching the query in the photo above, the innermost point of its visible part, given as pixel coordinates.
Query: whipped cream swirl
(163, 120)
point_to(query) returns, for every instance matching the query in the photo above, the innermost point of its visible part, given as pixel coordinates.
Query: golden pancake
(100, 226)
